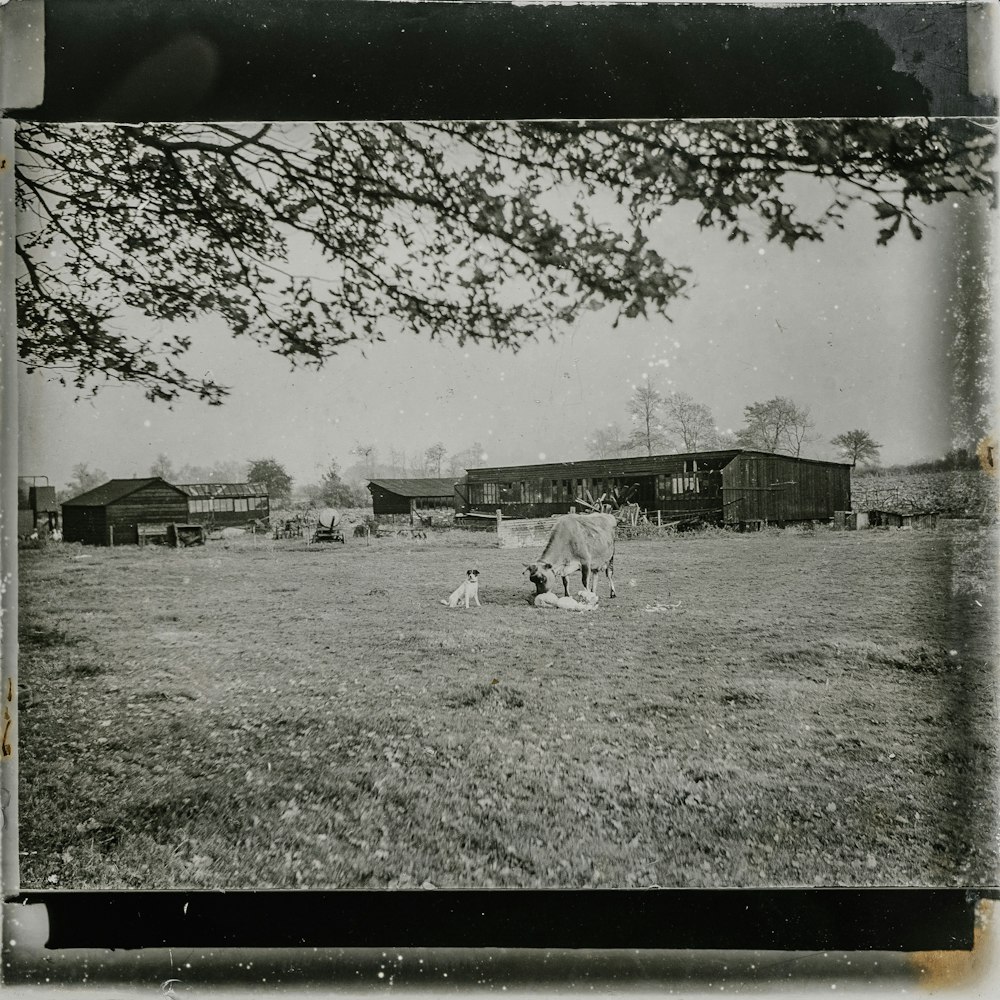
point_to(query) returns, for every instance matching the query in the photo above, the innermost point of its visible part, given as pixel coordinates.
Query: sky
(854, 331)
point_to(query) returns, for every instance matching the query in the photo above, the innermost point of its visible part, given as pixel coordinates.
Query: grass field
(781, 708)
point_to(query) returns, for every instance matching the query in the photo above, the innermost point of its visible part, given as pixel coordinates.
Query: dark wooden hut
(392, 497)
(225, 504)
(114, 513)
(733, 486)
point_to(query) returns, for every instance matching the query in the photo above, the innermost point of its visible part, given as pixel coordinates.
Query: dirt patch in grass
(774, 709)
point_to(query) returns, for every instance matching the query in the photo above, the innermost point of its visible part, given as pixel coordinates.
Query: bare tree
(800, 429)
(646, 411)
(607, 442)
(434, 457)
(779, 424)
(690, 421)
(163, 468)
(397, 463)
(84, 479)
(467, 459)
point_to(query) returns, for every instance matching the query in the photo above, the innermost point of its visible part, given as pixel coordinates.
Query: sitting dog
(468, 590)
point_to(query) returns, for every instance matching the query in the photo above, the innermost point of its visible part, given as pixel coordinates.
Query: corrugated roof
(112, 490)
(417, 487)
(223, 489)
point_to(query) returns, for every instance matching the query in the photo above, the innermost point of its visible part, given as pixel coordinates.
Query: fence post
(111, 535)
(499, 519)
(659, 518)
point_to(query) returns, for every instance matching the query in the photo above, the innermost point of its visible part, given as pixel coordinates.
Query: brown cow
(584, 542)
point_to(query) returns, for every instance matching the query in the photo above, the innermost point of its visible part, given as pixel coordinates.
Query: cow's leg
(611, 574)
(566, 584)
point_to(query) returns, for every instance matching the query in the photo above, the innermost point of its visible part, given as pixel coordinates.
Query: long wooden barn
(111, 514)
(223, 504)
(734, 486)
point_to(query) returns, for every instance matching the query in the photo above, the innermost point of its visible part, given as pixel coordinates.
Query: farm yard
(797, 707)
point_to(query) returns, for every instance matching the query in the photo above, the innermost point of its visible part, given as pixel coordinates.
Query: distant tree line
(663, 422)
(659, 423)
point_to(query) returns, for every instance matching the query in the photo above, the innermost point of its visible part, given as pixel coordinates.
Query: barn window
(688, 481)
(241, 504)
(223, 505)
(484, 493)
(682, 483)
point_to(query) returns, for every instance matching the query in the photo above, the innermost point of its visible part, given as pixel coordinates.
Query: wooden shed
(112, 514)
(225, 504)
(759, 487)
(391, 497)
(733, 486)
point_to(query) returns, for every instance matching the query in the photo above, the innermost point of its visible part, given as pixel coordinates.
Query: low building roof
(113, 490)
(627, 465)
(417, 487)
(223, 489)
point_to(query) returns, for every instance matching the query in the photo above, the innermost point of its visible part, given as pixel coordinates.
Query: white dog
(469, 590)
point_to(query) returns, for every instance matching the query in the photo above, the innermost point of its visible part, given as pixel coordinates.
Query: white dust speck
(541, 456)
(762, 251)
(146, 423)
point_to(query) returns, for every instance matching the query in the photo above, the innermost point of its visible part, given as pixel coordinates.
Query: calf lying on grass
(587, 601)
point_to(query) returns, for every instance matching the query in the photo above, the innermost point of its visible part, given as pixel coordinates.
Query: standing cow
(584, 542)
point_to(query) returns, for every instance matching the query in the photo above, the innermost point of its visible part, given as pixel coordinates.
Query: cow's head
(541, 575)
